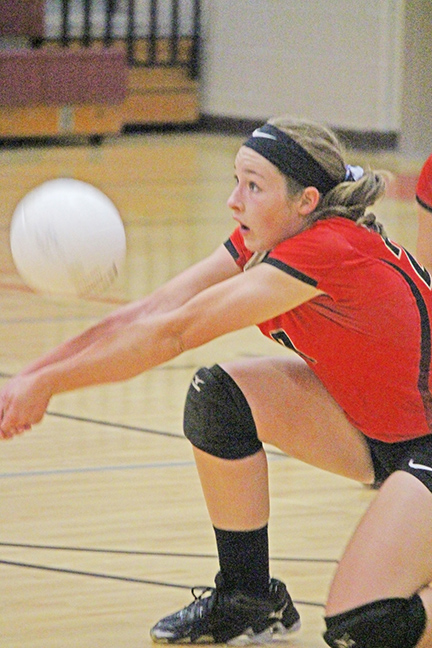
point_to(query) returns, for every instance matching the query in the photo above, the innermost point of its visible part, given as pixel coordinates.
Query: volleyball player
(311, 266)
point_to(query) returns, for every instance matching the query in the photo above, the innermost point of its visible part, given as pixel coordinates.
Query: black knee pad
(387, 623)
(217, 417)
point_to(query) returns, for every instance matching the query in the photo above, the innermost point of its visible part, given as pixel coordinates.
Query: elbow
(186, 339)
(180, 332)
(185, 342)
(180, 344)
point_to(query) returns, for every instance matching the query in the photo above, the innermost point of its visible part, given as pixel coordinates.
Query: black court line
(142, 430)
(77, 572)
(121, 426)
(128, 579)
(135, 552)
(129, 552)
(136, 428)
(124, 426)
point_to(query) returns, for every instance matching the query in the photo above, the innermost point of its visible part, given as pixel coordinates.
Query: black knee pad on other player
(217, 417)
(387, 623)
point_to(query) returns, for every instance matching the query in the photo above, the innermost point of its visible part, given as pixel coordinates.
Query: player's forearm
(168, 297)
(117, 357)
(61, 352)
(116, 320)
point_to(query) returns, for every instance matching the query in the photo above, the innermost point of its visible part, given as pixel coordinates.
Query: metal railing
(156, 33)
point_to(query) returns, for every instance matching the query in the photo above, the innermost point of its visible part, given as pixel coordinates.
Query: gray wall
(416, 105)
(337, 61)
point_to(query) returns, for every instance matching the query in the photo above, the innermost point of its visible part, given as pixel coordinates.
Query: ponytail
(353, 191)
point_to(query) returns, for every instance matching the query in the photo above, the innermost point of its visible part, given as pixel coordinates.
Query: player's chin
(252, 243)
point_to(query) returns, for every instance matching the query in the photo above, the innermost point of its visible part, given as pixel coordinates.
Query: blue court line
(145, 466)
(68, 471)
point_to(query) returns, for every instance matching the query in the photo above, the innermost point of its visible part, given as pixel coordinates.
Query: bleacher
(97, 67)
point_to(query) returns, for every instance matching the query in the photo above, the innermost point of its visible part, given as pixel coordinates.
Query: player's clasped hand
(21, 405)
(13, 432)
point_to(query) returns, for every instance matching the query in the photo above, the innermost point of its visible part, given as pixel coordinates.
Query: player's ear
(309, 200)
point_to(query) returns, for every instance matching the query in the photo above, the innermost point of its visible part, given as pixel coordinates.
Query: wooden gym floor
(103, 527)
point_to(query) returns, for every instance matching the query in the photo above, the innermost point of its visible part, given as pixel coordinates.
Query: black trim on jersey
(396, 249)
(423, 204)
(232, 249)
(291, 271)
(425, 345)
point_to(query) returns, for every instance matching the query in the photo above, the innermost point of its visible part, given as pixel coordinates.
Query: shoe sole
(276, 633)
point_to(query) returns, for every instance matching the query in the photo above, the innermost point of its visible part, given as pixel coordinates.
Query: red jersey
(368, 338)
(424, 185)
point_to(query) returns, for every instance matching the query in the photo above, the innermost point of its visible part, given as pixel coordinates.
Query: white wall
(336, 61)
(416, 139)
(362, 65)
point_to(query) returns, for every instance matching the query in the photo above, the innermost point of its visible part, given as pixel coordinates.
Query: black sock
(244, 560)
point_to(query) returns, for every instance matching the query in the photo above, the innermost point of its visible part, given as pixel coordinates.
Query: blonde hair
(348, 199)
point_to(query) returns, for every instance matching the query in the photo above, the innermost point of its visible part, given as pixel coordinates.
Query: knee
(389, 623)
(217, 416)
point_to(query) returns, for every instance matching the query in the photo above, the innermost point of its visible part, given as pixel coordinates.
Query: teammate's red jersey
(424, 185)
(368, 338)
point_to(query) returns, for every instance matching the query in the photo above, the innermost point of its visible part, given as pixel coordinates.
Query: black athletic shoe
(218, 616)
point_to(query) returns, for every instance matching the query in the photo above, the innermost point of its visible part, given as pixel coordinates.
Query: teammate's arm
(424, 214)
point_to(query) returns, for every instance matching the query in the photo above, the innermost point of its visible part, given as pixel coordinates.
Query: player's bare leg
(390, 553)
(294, 412)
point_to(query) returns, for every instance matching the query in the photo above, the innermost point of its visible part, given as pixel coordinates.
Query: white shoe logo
(258, 133)
(196, 383)
(278, 614)
(417, 466)
(345, 641)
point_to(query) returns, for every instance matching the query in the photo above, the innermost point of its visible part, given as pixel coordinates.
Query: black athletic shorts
(413, 456)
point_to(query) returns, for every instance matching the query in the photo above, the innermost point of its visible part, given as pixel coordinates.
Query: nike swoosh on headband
(258, 133)
(417, 466)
